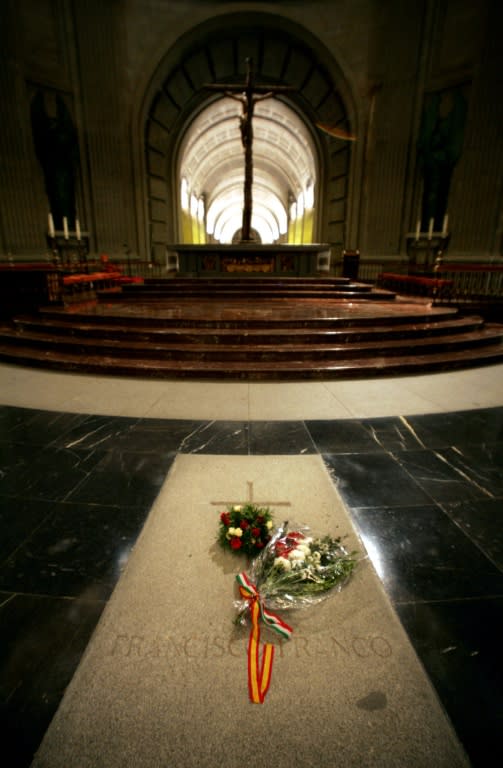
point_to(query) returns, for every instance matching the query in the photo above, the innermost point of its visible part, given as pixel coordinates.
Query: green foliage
(296, 570)
(245, 529)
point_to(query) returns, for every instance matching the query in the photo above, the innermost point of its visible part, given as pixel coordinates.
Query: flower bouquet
(297, 569)
(245, 528)
(294, 570)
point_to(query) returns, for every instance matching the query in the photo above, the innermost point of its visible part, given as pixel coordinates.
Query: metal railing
(475, 288)
(472, 281)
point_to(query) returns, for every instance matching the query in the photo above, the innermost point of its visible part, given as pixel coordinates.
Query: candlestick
(51, 226)
(418, 229)
(77, 228)
(444, 227)
(65, 227)
(430, 229)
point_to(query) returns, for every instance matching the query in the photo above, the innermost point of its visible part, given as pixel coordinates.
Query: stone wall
(101, 58)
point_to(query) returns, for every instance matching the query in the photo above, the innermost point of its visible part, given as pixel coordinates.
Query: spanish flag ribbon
(260, 671)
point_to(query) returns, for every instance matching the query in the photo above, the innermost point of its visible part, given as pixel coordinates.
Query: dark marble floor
(425, 493)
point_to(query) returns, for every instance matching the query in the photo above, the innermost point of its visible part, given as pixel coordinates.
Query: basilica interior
(252, 229)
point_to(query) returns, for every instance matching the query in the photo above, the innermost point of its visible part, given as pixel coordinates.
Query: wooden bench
(414, 284)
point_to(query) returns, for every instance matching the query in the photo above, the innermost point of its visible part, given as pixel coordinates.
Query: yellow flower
(235, 532)
(269, 524)
(237, 508)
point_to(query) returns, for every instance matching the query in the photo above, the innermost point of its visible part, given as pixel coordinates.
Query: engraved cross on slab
(250, 500)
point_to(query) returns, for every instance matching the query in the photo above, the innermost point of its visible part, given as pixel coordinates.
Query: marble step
(272, 335)
(294, 369)
(248, 315)
(348, 293)
(222, 288)
(250, 350)
(252, 337)
(249, 280)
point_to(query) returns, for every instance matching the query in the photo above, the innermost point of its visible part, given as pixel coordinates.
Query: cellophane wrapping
(297, 569)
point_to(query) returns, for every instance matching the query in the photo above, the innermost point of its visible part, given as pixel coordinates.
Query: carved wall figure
(57, 150)
(439, 148)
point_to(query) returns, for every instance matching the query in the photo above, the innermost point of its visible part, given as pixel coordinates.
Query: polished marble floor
(422, 481)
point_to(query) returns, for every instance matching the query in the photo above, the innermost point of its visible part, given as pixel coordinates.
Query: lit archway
(210, 167)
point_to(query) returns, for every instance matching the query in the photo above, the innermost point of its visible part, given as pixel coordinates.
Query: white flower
(237, 508)
(304, 548)
(297, 554)
(282, 563)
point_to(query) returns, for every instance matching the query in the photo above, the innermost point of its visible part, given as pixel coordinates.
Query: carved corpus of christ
(248, 95)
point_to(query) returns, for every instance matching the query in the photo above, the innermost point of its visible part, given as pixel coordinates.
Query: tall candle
(444, 228)
(430, 229)
(65, 227)
(77, 228)
(418, 229)
(51, 226)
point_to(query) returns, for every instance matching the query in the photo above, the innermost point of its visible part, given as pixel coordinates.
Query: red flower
(259, 544)
(225, 518)
(244, 524)
(235, 542)
(288, 543)
(259, 519)
(255, 532)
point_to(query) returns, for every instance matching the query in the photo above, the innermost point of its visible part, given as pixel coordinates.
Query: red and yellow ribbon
(260, 670)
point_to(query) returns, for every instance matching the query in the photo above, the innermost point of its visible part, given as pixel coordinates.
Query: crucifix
(248, 95)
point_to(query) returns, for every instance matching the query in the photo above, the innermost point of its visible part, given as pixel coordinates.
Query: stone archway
(217, 52)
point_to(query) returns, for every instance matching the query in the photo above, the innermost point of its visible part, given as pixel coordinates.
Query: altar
(191, 260)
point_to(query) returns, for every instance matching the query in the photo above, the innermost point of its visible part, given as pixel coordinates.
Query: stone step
(244, 287)
(139, 292)
(261, 288)
(291, 369)
(250, 280)
(246, 315)
(272, 335)
(292, 347)
(251, 336)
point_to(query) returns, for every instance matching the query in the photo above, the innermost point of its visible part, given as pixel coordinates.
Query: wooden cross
(251, 501)
(248, 95)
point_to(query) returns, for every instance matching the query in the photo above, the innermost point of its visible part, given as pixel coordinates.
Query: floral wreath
(245, 528)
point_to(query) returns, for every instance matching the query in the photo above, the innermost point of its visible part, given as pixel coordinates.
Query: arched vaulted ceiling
(216, 52)
(284, 164)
